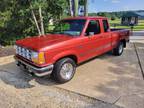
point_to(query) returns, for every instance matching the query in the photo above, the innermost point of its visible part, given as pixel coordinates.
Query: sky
(114, 5)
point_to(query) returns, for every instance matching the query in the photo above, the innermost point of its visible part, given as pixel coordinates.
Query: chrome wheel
(67, 71)
(64, 70)
(120, 48)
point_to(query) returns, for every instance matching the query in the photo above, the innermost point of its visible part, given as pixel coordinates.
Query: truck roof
(95, 17)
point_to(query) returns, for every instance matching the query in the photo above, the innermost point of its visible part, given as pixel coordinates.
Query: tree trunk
(34, 17)
(41, 21)
(76, 2)
(85, 8)
(36, 22)
(70, 8)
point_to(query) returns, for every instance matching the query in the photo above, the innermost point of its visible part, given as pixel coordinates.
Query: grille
(26, 53)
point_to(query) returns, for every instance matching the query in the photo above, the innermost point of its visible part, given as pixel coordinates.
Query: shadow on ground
(13, 75)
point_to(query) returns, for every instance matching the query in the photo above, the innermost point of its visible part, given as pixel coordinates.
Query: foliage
(16, 21)
(114, 15)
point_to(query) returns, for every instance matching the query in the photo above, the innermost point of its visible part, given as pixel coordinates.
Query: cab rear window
(105, 25)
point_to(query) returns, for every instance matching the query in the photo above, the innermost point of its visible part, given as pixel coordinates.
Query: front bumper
(38, 71)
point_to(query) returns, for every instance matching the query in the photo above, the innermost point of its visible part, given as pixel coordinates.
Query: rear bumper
(38, 71)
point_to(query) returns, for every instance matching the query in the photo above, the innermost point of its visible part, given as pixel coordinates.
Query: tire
(64, 70)
(119, 49)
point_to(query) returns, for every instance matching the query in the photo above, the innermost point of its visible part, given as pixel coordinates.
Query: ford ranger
(73, 41)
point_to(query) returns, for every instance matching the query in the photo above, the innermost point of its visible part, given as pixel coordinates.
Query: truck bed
(123, 33)
(113, 29)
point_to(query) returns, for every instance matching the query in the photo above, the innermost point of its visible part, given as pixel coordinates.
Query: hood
(38, 42)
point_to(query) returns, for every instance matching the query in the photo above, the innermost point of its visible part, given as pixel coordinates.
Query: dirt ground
(6, 51)
(104, 82)
(19, 90)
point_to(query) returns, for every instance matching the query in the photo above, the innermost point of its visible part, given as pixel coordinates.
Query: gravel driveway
(20, 90)
(24, 91)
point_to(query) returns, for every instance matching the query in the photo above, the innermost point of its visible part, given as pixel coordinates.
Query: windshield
(69, 27)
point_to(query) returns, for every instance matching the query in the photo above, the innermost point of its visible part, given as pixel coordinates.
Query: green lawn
(117, 22)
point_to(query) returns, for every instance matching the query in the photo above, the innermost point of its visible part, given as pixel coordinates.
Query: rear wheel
(119, 49)
(64, 70)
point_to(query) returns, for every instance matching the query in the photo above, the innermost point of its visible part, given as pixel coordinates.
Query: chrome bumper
(35, 70)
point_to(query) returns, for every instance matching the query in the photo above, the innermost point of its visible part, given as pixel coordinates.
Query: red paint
(82, 47)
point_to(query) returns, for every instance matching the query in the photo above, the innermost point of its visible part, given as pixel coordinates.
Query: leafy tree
(113, 17)
(17, 22)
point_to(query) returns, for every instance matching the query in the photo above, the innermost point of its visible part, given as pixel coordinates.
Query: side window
(93, 28)
(105, 25)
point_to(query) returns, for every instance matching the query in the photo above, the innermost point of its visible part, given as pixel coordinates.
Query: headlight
(23, 52)
(38, 57)
(28, 56)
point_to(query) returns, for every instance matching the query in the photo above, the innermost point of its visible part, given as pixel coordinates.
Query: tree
(17, 21)
(35, 20)
(85, 8)
(70, 3)
(41, 6)
(76, 4)
(113, 17)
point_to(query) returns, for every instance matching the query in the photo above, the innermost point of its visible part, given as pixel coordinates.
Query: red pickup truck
(73, 40)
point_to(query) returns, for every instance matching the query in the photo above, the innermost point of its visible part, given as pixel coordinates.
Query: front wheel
(64, 70)
(119, 49)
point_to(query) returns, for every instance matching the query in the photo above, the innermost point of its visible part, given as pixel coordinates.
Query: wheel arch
(73, 56)
(124, 42)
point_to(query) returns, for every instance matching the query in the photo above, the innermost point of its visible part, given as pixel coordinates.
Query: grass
(117, 22)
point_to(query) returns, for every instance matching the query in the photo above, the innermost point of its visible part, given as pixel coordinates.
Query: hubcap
(120, 48)
(66, 71)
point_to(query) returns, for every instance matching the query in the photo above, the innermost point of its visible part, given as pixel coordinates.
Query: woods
(21, 18)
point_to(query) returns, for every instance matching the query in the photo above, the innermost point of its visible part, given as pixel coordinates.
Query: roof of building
(140, 13)
(133, 14)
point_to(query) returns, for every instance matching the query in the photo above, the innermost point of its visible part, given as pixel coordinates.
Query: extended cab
(73, 40)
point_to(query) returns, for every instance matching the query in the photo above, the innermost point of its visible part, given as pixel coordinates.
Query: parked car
(73, 41)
